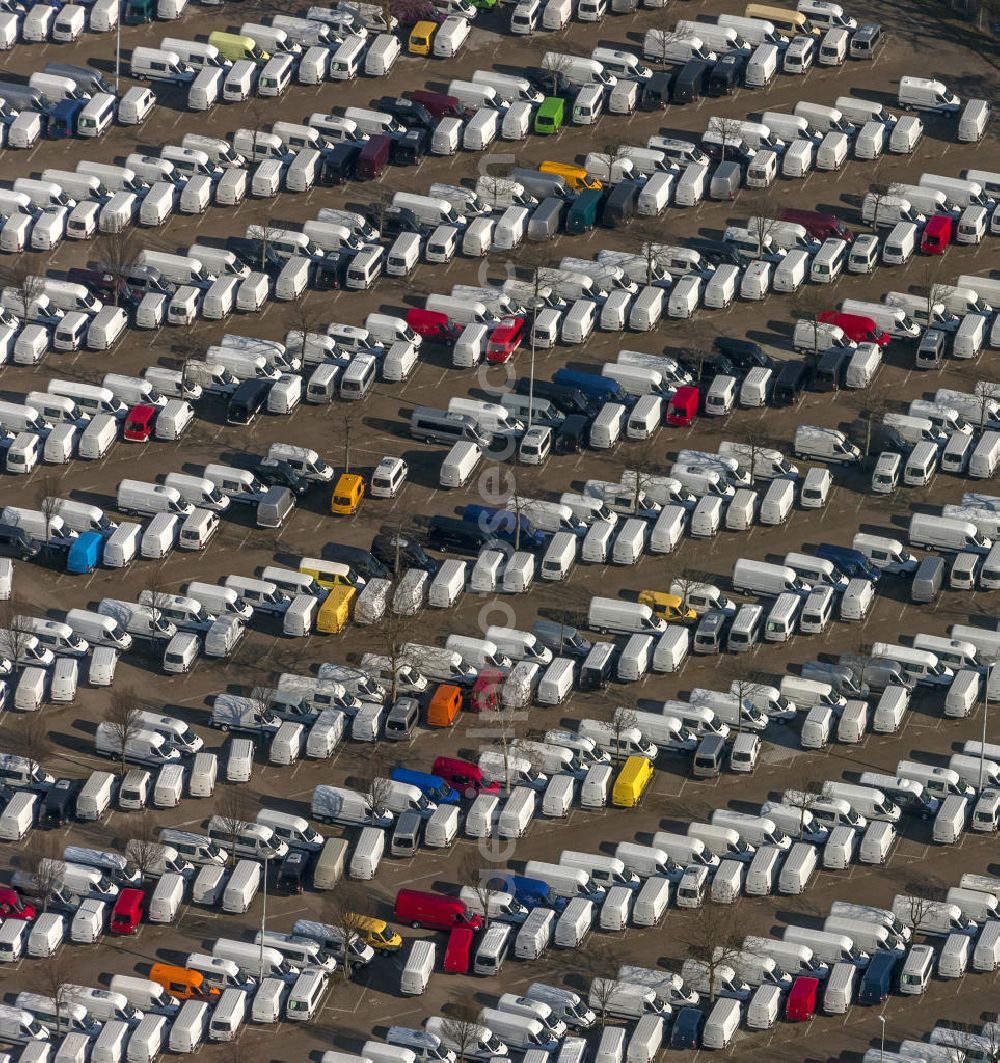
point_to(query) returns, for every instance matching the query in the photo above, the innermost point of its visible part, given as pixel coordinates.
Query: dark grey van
(928, 579)
(274, 506)
(546, 219)
(726, 181)
(708, 757)
(542, 185)
(440, 426)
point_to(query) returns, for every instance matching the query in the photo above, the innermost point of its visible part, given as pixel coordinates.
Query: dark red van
(936, 237)
(856, 327)
(139, 423)
(127, 914)
(464, 777)
(458, 951)
(434, 911)
(374, 157)
(433, 326)
(801, 1006)
(816, 223)
(683, 406)
(439, 105)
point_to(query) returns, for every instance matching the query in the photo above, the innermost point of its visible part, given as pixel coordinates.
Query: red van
(374, 157)
(139, 423)
(458, 951)
(936, 237)
(439, 105)
(12, 907)
(127, 914)
(856, 327)
(801, 1006)
(683, 406)
(434, 911)
(485, 693)
(464, 777)
(816, 223)
(433, 326)
(504, 340)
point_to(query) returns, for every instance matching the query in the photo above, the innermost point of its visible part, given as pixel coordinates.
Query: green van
(584, 211)
(549, 116)
(234, 46)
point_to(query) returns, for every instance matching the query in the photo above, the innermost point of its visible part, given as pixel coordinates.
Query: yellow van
(234, 46)
(347, 494)
(632, 781)
(422, 38)
(333, 614)
(377, 933)
(669, 607)
(785, 21)
(329, 573)
(575, 176)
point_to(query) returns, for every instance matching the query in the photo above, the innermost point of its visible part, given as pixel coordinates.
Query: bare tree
(935, 290)
(461, 1027)
(622, 720)
(599, 963)
(611, 155)
(374, 782)
(116, 254)
(558, 65)
(15, 637)
(235, 810)
(656, 44)
(347, 907)
(393, 632)
(729, 132)
(808, 305)
(879, 192)
(494, 184)
(122, 722)
(380, 207)
(30, 738)
(713, 935)
(140, 845)
(641, 466)
(803, 798)
(655, 256)
(763, 224)
(19, 275)
(49, 980)
(873, 404)
(483, 880)
(40, 859)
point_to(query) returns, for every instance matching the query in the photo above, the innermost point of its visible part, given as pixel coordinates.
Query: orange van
(444, 706)
(183, 983)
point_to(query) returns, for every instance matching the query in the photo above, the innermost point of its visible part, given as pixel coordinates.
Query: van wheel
(416, 926)
(470, 794)
(224, 727)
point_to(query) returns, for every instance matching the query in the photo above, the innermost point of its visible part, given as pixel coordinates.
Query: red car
(683, 406)
(139, 423)
(127, 914)
(464, 777)
(856, 327)
(936, 237)
(801, 1004)
(505, 339)
(12, 907)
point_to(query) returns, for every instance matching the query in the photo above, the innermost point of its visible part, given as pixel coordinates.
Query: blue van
(879, 978)
(85, 553)
(62, 118)
(502, 525)
(594, 386)
(531, 892)
(852, 563)
(431, 786)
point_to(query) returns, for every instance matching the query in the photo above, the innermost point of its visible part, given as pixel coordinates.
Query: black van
(60, 804)
(745, 354)
(831, 373)
(330, 271)
(692, 81)
(338, 164)
(456, 536)
(366, 565)
(790, 384)
(598, 666)
(654, 93)
(387, 546)
(727, 76)
(716, 252)
(409, 148)
(292, 873)
(247, 400)
(16, 542)
(620, 206)
(566, 399)
(571, 435)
